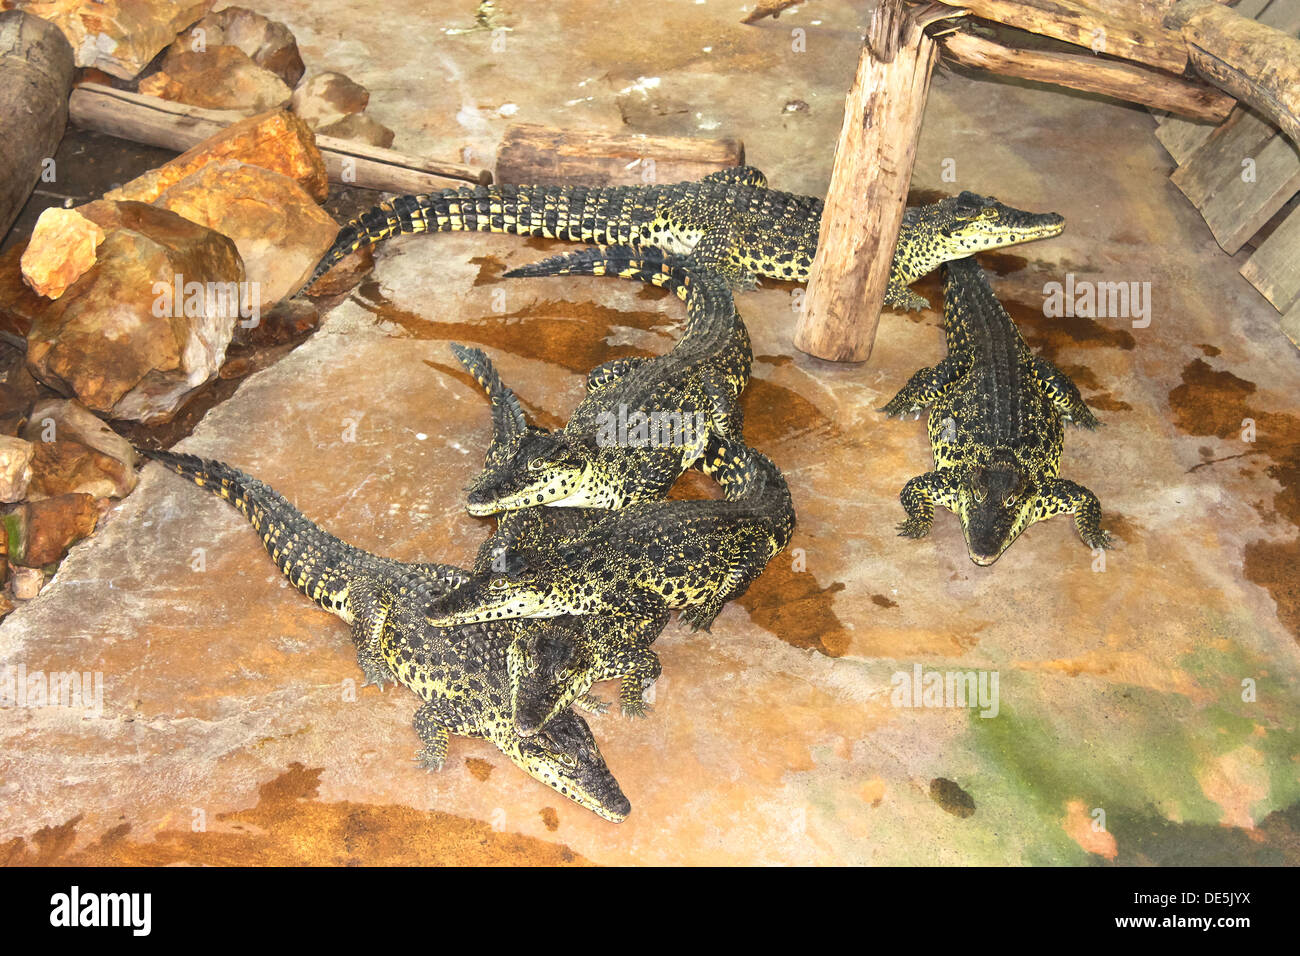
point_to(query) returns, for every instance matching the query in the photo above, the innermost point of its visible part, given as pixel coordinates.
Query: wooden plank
(36, 71)
(1183, 137)
(868, 189)
(1281, 15)
(1254, 62)
(541, 154)
(1274, 269)
(1291, 324)
(1238, 209)
(1220, 158)
(1124, 81)
(1142, 40)
(158, 122)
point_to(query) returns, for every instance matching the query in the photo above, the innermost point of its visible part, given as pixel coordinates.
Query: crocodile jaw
(553, 490)
(522, 603)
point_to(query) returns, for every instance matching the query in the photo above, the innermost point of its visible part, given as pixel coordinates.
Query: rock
(327, 98)
(65, 467)
(15, 467)
(6, 606)
(27, 582)
(61, 249)
(279, 230)
(268, 43)
(278, 140)
(54, 525)
(286, 321)
(59, 419)
(219, 78)
(18, 303)
(123, 339)
(119, 37)
(346, 273)
(359, 128)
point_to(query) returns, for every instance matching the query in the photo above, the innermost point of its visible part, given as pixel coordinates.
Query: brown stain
(550, 819)
(1215, 402)
(951, 797)
(774, 413)
(795, 608)
(490, 269)
(1004, 263)
(1210, 350)
(1120, 526)
(1048, 334)
(881, 601)
(480, 769)
(926, 197)
(289, 826)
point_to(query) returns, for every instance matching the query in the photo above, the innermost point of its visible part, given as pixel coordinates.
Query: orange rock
(58, 418)
(218, 78)
(66, 467)
(18, 303)
(327, 98)
(279, 230)
(123, 339)
(346, 273)
(61, 249)
(278, 140)
(119, 37)
(54, 525)
(268, 43)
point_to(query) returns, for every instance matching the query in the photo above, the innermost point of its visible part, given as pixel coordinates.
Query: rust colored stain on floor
(289, 826)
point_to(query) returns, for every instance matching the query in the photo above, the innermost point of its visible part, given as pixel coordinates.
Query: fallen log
(869, 183)
(530, 153)
(1254, 62)
(1090, 74)
(158, 122)
(36, 71)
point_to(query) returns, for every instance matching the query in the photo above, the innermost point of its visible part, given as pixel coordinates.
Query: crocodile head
(537, 467)
(997, 502)
(549, 668)
(564, 756)
(495, 597)
(961, 226)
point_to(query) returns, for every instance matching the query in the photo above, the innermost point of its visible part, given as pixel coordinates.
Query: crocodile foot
(593, 704)
(376, 672)
(914, 528)
(701, 618)
(1097, 538)
(430, 759)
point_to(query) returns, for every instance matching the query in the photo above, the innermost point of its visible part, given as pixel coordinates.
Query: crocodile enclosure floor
(1146, 710)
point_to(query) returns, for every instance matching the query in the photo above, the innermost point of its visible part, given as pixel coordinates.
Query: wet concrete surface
(1158, 687)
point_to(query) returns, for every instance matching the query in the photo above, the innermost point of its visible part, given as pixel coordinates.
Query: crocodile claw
(914, 528)
(593, 704)
(426, 760)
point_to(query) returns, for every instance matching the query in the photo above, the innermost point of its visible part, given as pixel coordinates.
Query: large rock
(119, 37)
(279, 230)
(218, 78)
(123, 339)
(359, 128)
(15, 467)
(52, 526)
(278, 140)
(327, 98)
(268, 43)
(77, 452)
(61, 249)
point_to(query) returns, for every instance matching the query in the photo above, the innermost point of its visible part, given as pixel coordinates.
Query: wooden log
(158, 122)
(530, 153)
(1254, 62)
(1090, 74)
(1274, 269)
(1142, 40)
(36, 72)
(868, 190)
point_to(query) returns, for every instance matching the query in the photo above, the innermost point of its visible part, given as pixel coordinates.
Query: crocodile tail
(315, 562)
(707, 294)
(508, 418)
(575, 213)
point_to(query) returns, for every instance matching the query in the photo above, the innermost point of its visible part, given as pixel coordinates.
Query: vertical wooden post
(864, 205)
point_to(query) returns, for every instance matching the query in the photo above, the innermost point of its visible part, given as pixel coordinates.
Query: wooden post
(1254, 62)
(36, 72)
(868, 190)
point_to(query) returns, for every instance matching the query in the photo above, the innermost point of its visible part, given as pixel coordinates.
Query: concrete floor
(774, 738)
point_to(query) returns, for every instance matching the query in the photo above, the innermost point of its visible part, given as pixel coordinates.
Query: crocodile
(644, 421)
(461, 674)
(632, 568)
(729, 220)
(996, 428)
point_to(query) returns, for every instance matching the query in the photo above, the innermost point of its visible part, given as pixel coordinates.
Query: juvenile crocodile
(631, 568)
(729, 221)
(461, 673)
(995, 428)
(644, 421)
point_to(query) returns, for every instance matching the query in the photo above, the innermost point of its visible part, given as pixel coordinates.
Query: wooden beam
(1254, 62)
(1090, 74)
(1141, 38)
(36, 71)
(869, 182)
(1274, 269)
(531, 153)
(158, 122)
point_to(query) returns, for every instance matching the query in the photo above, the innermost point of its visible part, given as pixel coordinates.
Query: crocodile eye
(498, 584)
(569, 760)
(537, 464)
(565, 674)
(978, 494)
